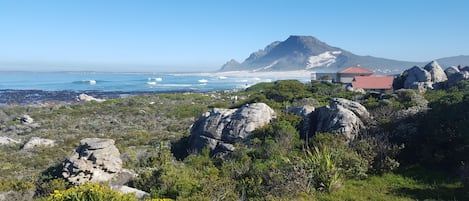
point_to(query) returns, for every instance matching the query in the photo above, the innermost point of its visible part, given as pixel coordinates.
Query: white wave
(222, 77)
(203, 81)
(157, 79)
(175, 85)
(91, 82)
(151, 83)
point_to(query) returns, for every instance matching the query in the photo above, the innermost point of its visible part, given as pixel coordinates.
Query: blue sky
(174, 35)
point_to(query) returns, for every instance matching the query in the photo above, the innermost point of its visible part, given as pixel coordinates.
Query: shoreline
(304, 74)
(10, 97)
(41, 96)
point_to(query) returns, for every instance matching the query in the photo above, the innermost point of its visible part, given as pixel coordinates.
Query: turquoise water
(127, 82)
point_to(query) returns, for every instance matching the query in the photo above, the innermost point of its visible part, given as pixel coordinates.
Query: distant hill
(462, 60)
(309, 53)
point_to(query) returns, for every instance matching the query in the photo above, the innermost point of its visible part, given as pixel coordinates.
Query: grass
(412, 183)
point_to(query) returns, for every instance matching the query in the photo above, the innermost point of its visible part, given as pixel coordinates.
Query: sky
(202, 35)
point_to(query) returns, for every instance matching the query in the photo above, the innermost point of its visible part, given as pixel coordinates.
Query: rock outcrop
(87, 98)
(432, 76)
(436, 72)
(6, 140)
(421, 104)
(220, 128)
(417, 78)
(305, 112)
(302, 111)
(125, 190)
(38, 142)
(342, 116)
(94, 160)
(451, 71)
(456, 77)
(26, 119)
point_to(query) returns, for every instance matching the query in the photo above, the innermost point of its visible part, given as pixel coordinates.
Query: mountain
(462, 60)
(309, 53)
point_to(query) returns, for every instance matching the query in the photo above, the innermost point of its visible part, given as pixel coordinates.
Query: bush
(286, 91)
(20, 186)
(351, 163)
(188, 110)
(89, 192)
(443, 134)
(326, 173)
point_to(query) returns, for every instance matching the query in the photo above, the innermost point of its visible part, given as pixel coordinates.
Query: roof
(356, 70)
(373, 82)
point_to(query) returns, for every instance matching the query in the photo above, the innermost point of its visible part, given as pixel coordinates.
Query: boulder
(451, 71)
(95, 160)
(36, 142)
(125, 190)
(87, 98)
(417, 78)
(6, 140)
(342, 116)
(26, 119)
(301, 111)
(436, 72)
(420, 86)
(454, 78)
(465, 68)
(356, 90)
(220, 128)
(416, 74)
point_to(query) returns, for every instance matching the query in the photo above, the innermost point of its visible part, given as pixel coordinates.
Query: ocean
(22, 84)
(126, 82)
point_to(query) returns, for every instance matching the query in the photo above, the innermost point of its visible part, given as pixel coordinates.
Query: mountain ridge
(309, 53)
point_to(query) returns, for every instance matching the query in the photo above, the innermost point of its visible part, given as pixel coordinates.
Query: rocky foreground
(268, 141)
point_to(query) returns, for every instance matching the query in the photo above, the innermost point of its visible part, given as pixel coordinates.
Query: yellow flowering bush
(90, 192)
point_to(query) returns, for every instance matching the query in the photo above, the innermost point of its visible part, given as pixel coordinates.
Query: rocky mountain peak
(299, 52)
(306, 40)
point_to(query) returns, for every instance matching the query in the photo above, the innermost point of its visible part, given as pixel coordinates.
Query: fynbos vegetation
(393, 157)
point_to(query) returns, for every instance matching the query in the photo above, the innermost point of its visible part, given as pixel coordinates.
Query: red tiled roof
(373, 82)
(356, 70)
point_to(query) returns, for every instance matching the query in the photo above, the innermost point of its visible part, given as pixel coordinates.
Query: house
(347, 75)
(380, 83)
(357, 77)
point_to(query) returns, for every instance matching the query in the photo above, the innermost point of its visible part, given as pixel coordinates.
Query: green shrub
(219, 104)
(351, 163)
(286, 91)
(90, 192)
(326, 174)
(371, 103)
(7, 185)
(188, 110)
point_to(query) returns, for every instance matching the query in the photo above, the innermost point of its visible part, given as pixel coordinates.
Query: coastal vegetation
(401, 155)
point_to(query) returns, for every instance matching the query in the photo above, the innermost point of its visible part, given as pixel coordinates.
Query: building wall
(318, 76)
(347, 78)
